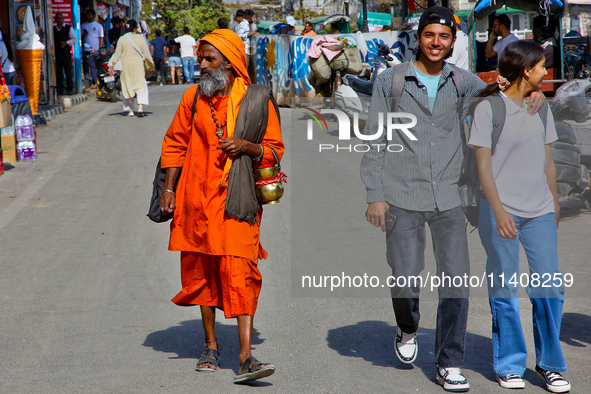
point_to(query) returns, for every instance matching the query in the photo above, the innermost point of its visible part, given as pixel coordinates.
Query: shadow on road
(374, 342)
(574, 330)
(186, 341)
(124, 113)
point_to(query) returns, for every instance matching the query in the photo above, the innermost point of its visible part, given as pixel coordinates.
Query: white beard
(211, 84)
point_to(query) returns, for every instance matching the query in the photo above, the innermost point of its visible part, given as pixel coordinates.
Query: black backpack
(469, 185)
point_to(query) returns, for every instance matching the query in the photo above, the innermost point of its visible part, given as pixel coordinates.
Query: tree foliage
(199, 15)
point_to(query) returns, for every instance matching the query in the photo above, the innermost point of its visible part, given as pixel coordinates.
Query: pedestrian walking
(217, 236)
(6, 58)
(241, 27)
(501, 28)
(406, 190)
(461, 49)
(174, 58)
(93, 36)
(64, 37)
(133, 81)
(116, 31)
(158, 50)
(520, 204)
(249, 17)
(188, 54)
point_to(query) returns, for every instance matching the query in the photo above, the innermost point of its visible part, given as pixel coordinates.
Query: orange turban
(232, 47)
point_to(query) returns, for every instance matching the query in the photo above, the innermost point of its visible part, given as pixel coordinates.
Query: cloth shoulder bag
(149, 66)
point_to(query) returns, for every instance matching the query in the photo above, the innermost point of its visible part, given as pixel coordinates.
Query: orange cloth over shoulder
(200, 223)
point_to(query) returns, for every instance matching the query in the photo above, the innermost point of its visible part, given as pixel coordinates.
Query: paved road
(86, 280)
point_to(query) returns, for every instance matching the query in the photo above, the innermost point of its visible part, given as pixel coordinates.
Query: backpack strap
(398, 80)
(543, 112)
(458, 79)
(498, 119)
(194, 106)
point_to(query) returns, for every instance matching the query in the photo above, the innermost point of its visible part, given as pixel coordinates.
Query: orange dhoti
(229, 283)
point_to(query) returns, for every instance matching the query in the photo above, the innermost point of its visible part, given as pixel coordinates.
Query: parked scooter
(107, 86)
(354, 94)
(572, 151)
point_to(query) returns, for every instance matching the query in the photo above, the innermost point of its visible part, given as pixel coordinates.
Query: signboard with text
(63, 7)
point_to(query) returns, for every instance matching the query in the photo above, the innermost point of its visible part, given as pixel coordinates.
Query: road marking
(14, 208)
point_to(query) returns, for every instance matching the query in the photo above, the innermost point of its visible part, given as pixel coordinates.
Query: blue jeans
(405, 248)
(90, 65)
(188, 68)
(539, 239)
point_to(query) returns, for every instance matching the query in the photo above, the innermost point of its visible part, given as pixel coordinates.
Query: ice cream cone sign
(29, 51)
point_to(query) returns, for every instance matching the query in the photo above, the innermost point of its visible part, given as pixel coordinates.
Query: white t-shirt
(519, 161)
(503, 42)
(187, 43)
(7, 65)
(459, 56)
(93, 39)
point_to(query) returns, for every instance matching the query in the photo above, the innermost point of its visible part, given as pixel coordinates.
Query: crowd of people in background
(175, 55)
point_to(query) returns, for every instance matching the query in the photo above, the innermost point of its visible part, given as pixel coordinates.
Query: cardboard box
(8, 148)
(5, 114)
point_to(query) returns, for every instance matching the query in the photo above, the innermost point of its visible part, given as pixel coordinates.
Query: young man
(500, 28)
(188, 54)
(158, 51)
(174, 58)
(419, 185)
(92, 35)
(241, 27)
(64, 37)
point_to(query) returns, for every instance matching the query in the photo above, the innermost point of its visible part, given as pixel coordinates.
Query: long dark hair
(515, 58)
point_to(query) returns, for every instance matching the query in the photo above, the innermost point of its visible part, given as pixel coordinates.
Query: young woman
(133, 81)
(519, 203)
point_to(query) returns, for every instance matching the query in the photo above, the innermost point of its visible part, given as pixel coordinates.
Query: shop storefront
(43, 17)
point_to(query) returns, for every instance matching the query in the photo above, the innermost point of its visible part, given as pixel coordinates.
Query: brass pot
(263, 173)
(271, 193)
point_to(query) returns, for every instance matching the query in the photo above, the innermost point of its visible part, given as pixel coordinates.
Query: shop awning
(504, 10)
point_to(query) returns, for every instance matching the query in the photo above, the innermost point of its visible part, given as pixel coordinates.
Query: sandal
(209, 356)
(250, 371)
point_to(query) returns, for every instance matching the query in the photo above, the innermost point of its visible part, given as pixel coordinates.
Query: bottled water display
(25, 136)
(23, 127)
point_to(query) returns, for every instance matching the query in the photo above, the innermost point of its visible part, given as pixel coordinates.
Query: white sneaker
(130, 113)
(555, 382)
(452, 379)
(511, 381)
(406, 346)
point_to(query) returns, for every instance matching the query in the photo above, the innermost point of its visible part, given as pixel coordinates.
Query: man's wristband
(168, 191)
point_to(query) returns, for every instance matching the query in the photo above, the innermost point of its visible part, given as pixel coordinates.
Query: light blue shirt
(432, 84)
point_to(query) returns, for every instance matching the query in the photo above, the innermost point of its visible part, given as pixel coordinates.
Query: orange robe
(200, 224)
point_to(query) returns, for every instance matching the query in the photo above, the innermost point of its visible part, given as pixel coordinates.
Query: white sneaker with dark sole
(406, 346)
(555, 382)
(452, 379)
(511, 381)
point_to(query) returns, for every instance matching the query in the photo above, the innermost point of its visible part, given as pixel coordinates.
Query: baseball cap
(444, 16)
